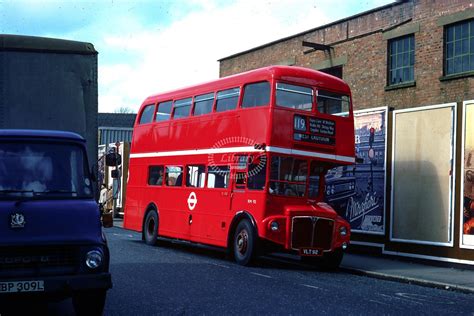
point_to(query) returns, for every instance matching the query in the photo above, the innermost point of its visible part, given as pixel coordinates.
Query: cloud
(186, 52)
(147, 47)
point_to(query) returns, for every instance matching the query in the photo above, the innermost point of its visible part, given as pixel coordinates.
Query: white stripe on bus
(243, 149)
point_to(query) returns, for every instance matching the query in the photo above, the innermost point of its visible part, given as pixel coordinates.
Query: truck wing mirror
(115, 174)
(93, 172)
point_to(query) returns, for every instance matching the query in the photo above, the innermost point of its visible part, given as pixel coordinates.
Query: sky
(152, 46)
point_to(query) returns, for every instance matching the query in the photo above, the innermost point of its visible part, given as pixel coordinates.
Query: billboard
(467, 204)
(357, 192)
(423, 152)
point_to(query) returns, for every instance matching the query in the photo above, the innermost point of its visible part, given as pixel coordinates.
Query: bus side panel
(211, 216)
(204, 132)
(173, 217)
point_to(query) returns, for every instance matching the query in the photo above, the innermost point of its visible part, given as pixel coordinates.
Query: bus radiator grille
(311, 231)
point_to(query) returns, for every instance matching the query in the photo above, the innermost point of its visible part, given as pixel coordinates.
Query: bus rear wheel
(244, 243)
(150, 228)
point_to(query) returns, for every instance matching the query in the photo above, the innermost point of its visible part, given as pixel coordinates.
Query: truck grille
(37, 261)
(311, 231)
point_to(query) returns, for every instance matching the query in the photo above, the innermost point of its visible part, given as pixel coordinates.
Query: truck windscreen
(49, 170)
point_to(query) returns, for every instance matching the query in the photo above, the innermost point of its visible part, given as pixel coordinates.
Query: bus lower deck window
(174, 176)
(218, 177)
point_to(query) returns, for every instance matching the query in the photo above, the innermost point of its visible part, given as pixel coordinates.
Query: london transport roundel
(192, 201)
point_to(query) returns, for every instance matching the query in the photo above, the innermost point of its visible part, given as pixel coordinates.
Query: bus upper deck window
(147, 114)
(333, 103)
(203, 104)
(295, 97)
(256, 94)
(227, 99)
(182, 108)
(163, 112)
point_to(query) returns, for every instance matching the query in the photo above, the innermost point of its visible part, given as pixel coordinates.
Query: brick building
(414, 61)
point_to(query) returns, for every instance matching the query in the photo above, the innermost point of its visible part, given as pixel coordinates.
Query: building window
(333, 71)
(459, 48)
(401, 60)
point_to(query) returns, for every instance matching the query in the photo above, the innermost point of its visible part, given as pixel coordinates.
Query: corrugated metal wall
(109, 135)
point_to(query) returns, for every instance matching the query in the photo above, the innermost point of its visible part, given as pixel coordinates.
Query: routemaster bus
(240, 163)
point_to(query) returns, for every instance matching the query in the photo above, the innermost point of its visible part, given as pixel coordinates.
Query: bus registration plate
(311, 252)
(22, 286)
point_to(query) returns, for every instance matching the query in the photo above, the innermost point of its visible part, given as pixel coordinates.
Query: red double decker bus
(240, 163)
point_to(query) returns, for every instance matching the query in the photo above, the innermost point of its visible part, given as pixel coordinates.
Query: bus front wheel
(244, 243)
(330, 261)
(150, 228)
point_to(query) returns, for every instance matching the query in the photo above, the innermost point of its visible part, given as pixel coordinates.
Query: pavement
(424, 273)
(408, 271)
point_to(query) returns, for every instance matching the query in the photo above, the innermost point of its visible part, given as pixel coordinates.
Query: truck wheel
(244, 243)
(90, 302)
(150, 228)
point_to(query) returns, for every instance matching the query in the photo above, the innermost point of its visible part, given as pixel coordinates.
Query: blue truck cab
(51, 239)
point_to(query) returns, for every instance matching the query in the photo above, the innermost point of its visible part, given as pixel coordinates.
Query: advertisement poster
(468, 176)
(357, 192)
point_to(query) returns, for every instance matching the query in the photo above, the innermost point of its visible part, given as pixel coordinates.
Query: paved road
(178, 279)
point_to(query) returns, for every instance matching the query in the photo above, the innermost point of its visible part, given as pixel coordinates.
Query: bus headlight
(94, 259)
(343, 231)
(274, 226)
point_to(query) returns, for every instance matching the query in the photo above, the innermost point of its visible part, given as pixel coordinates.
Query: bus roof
(289, 73)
